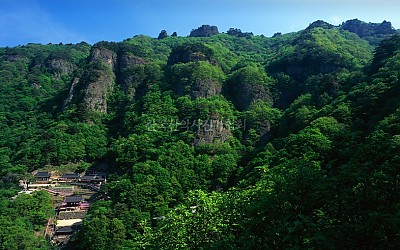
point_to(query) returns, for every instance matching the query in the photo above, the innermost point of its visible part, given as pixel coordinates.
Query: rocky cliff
(247, 85)
(105, 67)
(372, 32)
(102, 64)
(90, 88)
(204, 31)
(61, 67)
(194, 71)
(130, 73)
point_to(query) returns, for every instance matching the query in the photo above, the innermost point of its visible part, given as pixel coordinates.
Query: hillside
(216, 140)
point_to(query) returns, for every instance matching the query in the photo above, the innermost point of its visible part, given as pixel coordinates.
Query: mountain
(217, 140)
(372, 32)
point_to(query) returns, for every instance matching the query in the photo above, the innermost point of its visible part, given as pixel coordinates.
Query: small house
(42, 177)
(69, 177)
(72, 201)
(64, 230)
(95, 179)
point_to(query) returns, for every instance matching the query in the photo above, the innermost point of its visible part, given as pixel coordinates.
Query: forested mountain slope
(227, 140)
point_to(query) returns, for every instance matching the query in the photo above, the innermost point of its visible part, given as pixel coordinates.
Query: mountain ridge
(229, 140)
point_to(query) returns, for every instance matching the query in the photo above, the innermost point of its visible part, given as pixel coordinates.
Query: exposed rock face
(127, 60)
(194, 71)
(104, 55)
(61, 67)
(129, 76)
(14, 58)
(239, 33)
(245, 93)
(105, 66)
(205, 88)
(199, 88)
(71, 92)
(246, 86)
(100, 79)
(163, 34)
(197, 79)
(189, 57)
(191, 52)
(95, 97)
(365, 30)
(204, 31)
(211, 131)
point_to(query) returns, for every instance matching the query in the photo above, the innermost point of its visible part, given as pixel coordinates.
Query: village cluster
(71, 205)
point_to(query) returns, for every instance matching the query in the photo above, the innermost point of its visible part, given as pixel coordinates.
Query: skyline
(49, 21)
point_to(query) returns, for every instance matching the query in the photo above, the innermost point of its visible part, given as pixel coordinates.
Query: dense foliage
(21, 217)
(229, 141)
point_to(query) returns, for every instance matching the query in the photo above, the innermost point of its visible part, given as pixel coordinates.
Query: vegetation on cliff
(215, 141)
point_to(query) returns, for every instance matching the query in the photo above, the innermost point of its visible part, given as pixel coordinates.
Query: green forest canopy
(230, 141)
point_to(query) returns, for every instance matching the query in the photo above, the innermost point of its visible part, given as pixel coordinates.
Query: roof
(70, 176)
(73, 199)
(65, 230)
(43, 174)
(92, 178)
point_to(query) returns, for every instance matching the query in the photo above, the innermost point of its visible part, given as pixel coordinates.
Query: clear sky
(73, 21)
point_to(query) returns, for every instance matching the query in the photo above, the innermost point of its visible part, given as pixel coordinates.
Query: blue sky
(73, 21)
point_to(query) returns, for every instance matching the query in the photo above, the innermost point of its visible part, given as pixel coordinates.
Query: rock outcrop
(239, 33)
(320, 24)
(163, 34)
(95, 95)
(103, 55)
(191, 52)
(211, 131)
(99, 79)
(245, 93)
(194, 71)
(127, 60)
(204, 31)
(71, 92)
(197, 79)
(372, 32)
(248, 85)
(204, 88)
(106, 65)
(130, 73)
(61, 67)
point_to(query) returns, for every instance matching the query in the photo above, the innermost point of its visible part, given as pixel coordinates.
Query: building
(64, 229)
(73, 200)
(94, 179)
(69, 177)
(71, 203)
(42, 177)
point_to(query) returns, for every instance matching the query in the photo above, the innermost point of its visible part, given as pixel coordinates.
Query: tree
(202, 222)
(95, 233)
(117, 233)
